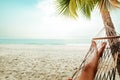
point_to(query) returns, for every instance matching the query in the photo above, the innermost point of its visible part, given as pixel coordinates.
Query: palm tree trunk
(110, 31)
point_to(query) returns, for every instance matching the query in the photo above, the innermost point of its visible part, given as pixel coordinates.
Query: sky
(38, 19)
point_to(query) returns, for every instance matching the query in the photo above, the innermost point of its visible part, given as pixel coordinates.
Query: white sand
(37, 62)
(40, 62)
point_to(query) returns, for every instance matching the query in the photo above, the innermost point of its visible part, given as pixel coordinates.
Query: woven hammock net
(107, 68)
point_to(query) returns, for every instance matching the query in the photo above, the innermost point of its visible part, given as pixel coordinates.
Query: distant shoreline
(44, 41)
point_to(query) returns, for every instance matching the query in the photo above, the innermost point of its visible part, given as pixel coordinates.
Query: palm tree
(74, 7)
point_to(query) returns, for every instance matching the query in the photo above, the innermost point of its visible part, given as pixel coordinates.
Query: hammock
(107, 68)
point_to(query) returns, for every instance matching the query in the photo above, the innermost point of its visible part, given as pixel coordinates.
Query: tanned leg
(90, 69)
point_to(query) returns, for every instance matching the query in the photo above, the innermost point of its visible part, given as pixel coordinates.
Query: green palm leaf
(67, 7)
(87, 7)
(72, 7)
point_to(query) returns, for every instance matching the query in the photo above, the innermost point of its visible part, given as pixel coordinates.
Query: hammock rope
(107, 68)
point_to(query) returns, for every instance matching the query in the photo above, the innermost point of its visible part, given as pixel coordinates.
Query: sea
(45, 41)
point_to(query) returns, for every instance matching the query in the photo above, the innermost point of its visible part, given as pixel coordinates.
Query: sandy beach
(39, 62)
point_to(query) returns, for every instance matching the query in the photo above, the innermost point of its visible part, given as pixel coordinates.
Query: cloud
(47, 6)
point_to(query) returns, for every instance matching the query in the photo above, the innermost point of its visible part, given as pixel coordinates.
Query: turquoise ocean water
(43, 41)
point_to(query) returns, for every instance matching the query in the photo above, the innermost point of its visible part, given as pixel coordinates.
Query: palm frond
(67, 7)
(72, 7)
(87, 7)
(63, 6)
